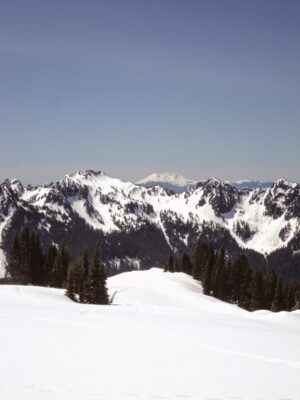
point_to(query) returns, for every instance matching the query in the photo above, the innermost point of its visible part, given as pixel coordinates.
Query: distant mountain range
(137, 226)
(179, 183)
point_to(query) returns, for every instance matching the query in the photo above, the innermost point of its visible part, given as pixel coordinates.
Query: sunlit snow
(162, 339)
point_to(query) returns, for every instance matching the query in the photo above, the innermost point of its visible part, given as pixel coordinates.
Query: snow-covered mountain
(53, 348)
(137, 226)
(178, 183)
(167, 180)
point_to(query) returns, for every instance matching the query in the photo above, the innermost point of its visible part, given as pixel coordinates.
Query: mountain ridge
(128, 219)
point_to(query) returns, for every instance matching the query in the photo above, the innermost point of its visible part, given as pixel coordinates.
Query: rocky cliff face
(136, 226)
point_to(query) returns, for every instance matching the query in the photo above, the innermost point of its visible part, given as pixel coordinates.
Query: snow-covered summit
(167, 177)
(89, 173)
(167, 180)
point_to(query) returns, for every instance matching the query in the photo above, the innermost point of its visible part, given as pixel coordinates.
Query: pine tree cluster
(234, 281)
(85, 283)
(28, 264)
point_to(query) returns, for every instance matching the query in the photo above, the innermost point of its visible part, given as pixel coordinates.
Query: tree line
(235, 281)
(84, 279)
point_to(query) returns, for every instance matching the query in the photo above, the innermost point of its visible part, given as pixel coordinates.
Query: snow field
(162, 339)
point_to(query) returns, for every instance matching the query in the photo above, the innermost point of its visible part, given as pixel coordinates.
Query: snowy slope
(163, 339)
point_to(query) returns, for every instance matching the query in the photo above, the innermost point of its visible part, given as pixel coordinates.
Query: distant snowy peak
(167, 180)
(179, 183)
(167, 177)
(251, 184)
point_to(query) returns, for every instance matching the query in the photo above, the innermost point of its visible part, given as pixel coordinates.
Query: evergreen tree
(200, 257)
(86, 269)
(236, 277)
(257, 291)
(36, 258)
(186, 264)
(270, 282)
(297, 298)
(170, 263)
(57, 273)
(290, 297)
(177, 265)
(166, 266)
(76, 284)
(48, 264)
(227, 288)
(70, 286)
(96, 286)
(219, 275)
(25, 272)
(80, 280)
(244, 300)
(13, 268)
(25, 258)
(65, 259)
(86, 263)
(208, 271)
(278, 301)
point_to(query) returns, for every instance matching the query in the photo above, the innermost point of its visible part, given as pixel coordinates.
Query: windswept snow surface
(162, 339)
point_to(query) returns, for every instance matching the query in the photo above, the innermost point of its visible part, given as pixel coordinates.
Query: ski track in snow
(162, 339)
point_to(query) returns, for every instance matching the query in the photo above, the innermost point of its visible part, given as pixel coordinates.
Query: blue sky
(202, 88)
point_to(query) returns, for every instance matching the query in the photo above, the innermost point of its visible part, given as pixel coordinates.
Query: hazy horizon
(28, 174)
(57, 177)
